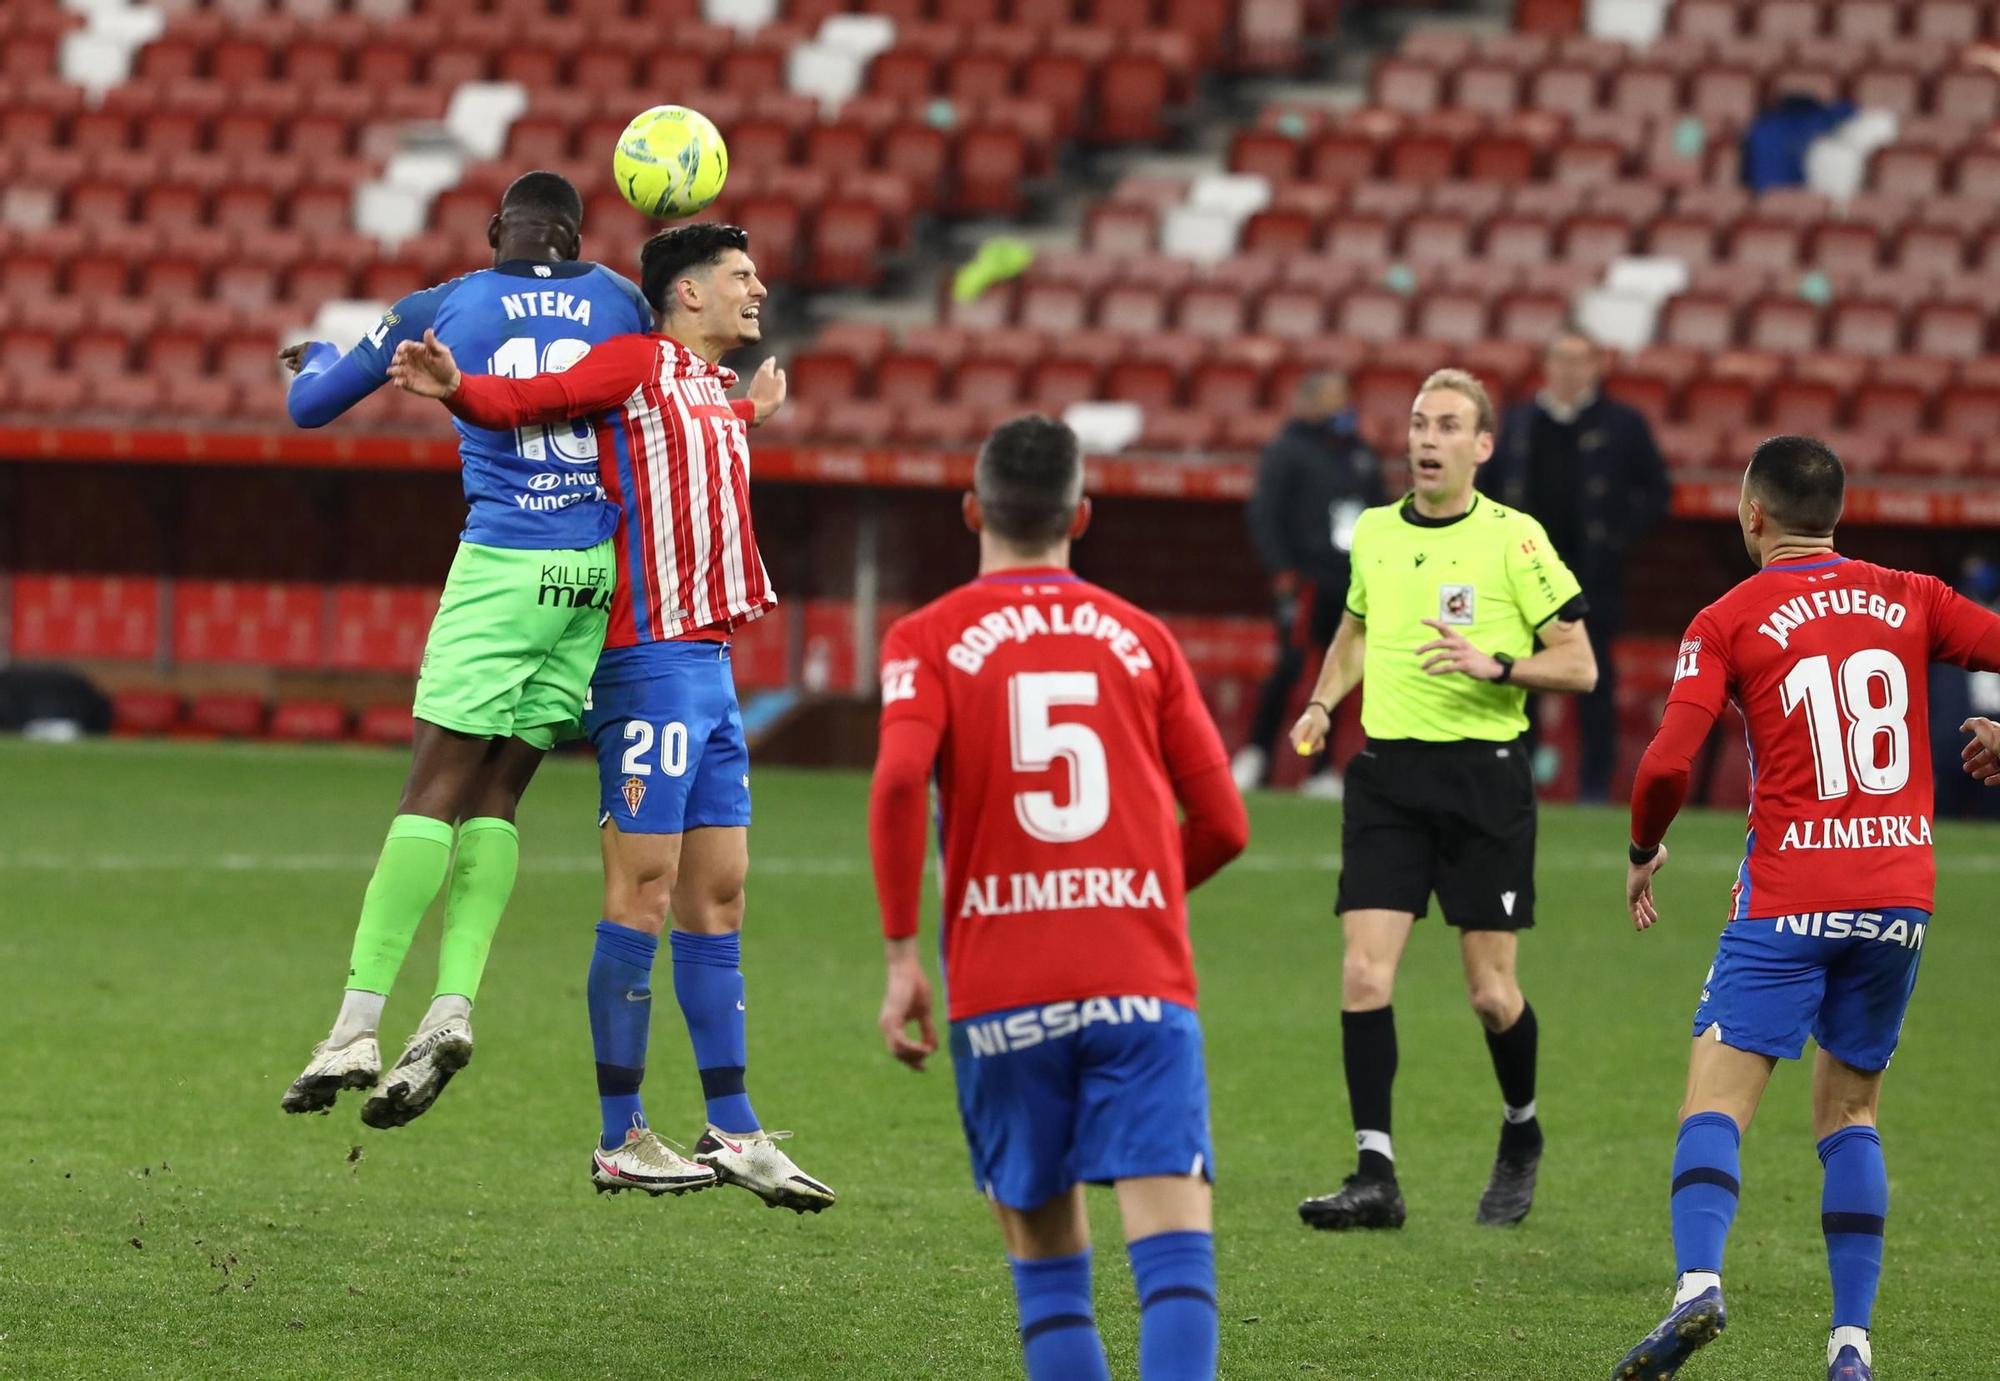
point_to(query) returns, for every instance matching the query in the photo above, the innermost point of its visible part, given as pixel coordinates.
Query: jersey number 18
(1854, 757)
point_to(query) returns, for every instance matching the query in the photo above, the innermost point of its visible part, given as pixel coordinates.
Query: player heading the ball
(673, 766)
(1063, 728)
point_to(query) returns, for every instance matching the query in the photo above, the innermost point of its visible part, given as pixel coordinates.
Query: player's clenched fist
(425, 368)
(907, 999)
(1309, 734)
(1982, 755)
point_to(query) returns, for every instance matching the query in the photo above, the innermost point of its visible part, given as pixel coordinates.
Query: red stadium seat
(1170, 431)
(224, 714)
(1907, 170)
(1966, 97)
(1867, 21)
(1970, 411)
(1056, 383)
(1152, 384)
(1421, 159)
(1411, 87)
(988, 382)
(1342, 159)
(1802, 406)
(992, 162)
(907, 377)
(242, 622)
(389, 726)
(140, 712)
(846, 236)
(60, 616)
(1952, 329)
(1783, 324)
(1529, 316)
(1704, 323)
(1887, 409)
(1866, 328)
(1719, 402)
(1934, 455)
(308, 721)
(1290, 314)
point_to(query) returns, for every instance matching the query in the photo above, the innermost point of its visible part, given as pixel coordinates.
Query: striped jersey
(674, 455)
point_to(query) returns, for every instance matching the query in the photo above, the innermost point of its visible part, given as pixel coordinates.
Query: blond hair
(1468, 386)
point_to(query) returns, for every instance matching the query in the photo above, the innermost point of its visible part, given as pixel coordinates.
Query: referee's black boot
(1510, 1192)
(1361, 1202)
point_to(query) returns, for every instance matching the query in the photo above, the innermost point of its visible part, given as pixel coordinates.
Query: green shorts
(515, 640)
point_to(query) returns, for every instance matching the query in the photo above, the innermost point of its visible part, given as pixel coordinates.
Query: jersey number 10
(1039, 745)
(574, 442)
(1852, 758)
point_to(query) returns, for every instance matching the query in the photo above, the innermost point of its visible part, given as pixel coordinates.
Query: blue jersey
(534, 487)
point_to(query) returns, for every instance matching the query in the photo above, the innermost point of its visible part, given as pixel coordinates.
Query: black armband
(1641, 857)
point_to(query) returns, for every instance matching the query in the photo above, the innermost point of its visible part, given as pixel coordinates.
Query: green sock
(482, 878)
(407, 877)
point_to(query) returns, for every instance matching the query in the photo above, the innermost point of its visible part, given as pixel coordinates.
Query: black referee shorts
(1457, 819)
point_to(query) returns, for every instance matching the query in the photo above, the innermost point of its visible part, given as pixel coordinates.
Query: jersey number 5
(1039, 745)
(1857, 756)
(574, 441)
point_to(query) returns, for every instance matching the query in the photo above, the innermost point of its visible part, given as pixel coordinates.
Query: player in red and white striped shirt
(673, 768)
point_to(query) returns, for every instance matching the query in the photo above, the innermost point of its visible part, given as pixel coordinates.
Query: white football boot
(358, 1064)
(428, 1062)
(646, 1162)
(755, 1162)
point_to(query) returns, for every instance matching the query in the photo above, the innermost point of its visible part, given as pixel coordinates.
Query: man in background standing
(1587, 467)
(1313, 480)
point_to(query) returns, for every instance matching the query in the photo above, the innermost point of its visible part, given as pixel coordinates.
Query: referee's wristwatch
(1506, 668)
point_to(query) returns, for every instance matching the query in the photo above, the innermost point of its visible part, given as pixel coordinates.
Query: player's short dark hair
(1029, 478)
(544, 196)
(666, 257)
(1800, 482)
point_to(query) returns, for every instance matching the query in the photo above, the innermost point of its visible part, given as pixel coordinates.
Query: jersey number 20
(573, 442)
(1039, 745)
(1857, 756)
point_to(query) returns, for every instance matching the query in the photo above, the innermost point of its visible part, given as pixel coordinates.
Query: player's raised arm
(602, 379)
(326, 383)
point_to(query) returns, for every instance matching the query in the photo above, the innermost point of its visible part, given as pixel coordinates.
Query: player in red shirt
(1827, 660)
(673, 763)
(1062, 726)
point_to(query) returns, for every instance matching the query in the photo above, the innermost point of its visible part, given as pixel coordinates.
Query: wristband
(1506, 668)
(1641, 857)
(1322, 707)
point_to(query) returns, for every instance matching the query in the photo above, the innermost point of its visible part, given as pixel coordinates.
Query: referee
(1450, 595)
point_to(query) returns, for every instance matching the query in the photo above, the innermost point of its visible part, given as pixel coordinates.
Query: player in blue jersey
(517, 632)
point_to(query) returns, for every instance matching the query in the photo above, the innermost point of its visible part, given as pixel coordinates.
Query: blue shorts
(669, 739)
(1844, 977)
(1094, 1091)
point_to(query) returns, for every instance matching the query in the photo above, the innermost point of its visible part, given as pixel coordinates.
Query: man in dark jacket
(1586, 466)
(1314, 479)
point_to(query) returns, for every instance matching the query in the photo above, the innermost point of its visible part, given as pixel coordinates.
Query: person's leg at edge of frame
(1854, 1201)
(1048, 1251)
(1170, 1240)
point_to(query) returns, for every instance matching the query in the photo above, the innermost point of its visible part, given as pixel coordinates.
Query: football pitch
(174, 923)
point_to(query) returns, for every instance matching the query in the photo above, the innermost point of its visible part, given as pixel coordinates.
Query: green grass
(173, 929)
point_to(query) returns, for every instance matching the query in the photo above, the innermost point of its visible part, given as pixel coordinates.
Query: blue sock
(621, 1017)
(1179, 1333)
(708, 980)
(1058, 1330)
(1852, 1209)
(1705, 1190)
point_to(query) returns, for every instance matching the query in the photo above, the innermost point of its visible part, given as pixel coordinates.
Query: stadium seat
(1802, 406)
(385, 725)
(223, 714)
(141, 712)
(1951, 329)
(1887, 409)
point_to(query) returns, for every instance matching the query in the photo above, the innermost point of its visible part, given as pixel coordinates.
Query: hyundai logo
(545, 480)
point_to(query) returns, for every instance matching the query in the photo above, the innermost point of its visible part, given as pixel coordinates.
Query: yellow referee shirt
(1490, 574)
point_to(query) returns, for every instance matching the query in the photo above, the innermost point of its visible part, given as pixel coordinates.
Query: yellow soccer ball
(670, 162)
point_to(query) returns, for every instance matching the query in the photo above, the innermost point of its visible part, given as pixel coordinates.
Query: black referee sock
(1368, 1049)
(1513, 1052)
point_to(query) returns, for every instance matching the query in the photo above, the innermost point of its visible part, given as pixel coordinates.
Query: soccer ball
(670, 162)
